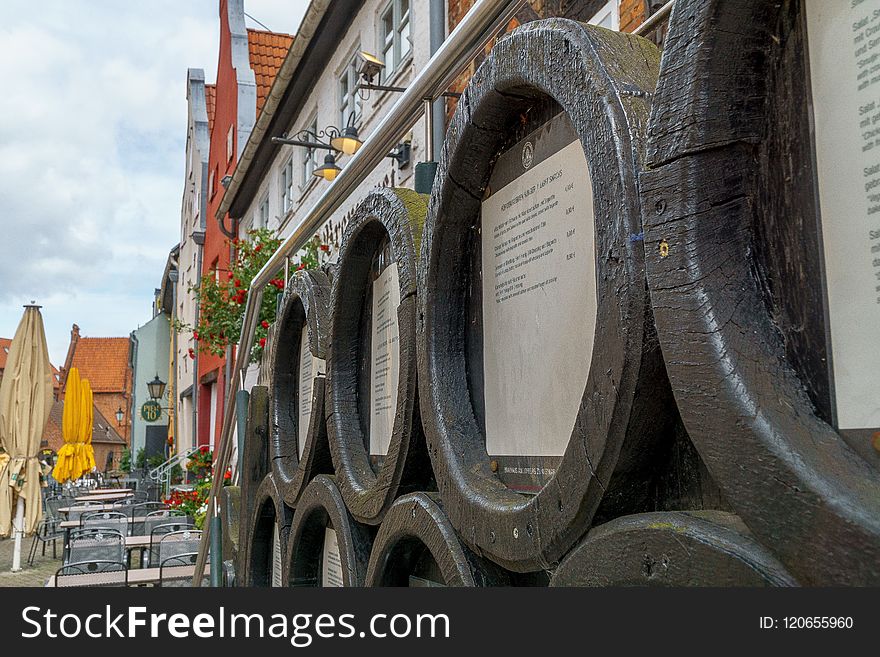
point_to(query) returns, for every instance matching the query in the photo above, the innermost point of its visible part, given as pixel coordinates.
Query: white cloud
(92, 138)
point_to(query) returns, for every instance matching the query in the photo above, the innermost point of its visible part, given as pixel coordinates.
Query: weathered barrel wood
(709, 548)
(417, 546)
(734, 264)
(385, 230)
(254, 464)
(604, 89)
(321, 507)
(270, 512)
(230, 521)
(306, 304)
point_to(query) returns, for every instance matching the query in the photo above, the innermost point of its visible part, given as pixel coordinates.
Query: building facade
(247, 63)
(193, 211)
(149, 358)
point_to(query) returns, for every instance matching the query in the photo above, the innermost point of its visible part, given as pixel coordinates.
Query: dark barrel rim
(609, 112)
(788, 474)
(700, 548)
(269, 510)
(419, 517)
(399, 213)
(306, 302)
(321, 504)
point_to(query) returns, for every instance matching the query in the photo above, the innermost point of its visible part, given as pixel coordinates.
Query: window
(349, 100)
(261, 216)
(212, 183)
(309, 158)
(608, 16)
(395, 36)
(229, 143)
(287, 186)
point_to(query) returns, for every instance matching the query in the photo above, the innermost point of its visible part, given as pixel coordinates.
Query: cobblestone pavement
(36, 575)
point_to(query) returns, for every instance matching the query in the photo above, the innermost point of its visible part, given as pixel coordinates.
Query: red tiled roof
(4, 351)
(267, 52)
(211, 104)
(104, 362)
(102, 430)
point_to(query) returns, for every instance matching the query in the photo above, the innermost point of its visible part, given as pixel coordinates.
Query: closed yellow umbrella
(87, 418)
(25, 402)
(68, 467)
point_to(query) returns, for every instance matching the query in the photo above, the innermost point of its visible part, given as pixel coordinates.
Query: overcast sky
(92, 138)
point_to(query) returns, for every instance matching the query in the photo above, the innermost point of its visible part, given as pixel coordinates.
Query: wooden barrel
(417, 546)
(327, 547)
(536, 366)
(375, 433)
(254, 467)
(762, 259)
(296, 366)
(267, 541)
(708, 548)
(230, 521)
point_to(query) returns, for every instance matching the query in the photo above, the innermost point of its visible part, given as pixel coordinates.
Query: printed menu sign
(384, 359)
(309, 369)
(331, 565)
(539, 294)
(844, 61)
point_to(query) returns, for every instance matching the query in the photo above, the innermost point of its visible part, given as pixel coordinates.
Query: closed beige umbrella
(25, 402)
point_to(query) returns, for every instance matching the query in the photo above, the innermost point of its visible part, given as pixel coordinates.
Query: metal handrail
(481, 23)
(655, 20)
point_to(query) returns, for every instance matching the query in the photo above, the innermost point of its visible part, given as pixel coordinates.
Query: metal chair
(173, 543)
(103, 573)
(106, 520)
(48, 530)
(183, 559)
(95, 544)
(155, 518)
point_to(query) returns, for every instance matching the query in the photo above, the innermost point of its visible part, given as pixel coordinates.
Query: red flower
(192, 354)
(230, 275)
(262, 342)
(195, 335)
(257, 248)
(203, 449)
(236, 283)
(228, 474)
(324, 247)
(264, 324)
(302, 265)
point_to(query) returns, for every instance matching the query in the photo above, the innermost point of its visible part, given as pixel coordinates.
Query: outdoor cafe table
(136, 577)
(64, 510)
(100, 491)
(67, 525)
(102, 497)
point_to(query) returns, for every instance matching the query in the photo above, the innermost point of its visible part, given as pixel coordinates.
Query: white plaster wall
(193, 208)
(323, 102)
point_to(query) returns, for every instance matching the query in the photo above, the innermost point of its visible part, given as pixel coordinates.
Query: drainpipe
(435, 112)
(437, 26)
(198, 237)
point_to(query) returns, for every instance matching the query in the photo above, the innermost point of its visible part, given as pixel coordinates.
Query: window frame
(401, 30)
(285, 183)
(346, 81)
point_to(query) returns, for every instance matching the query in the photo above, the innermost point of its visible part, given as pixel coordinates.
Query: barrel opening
(369, 256)
(514, 114)
(307, 555)
(262, 544)
(410, 563)
(286, 385)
